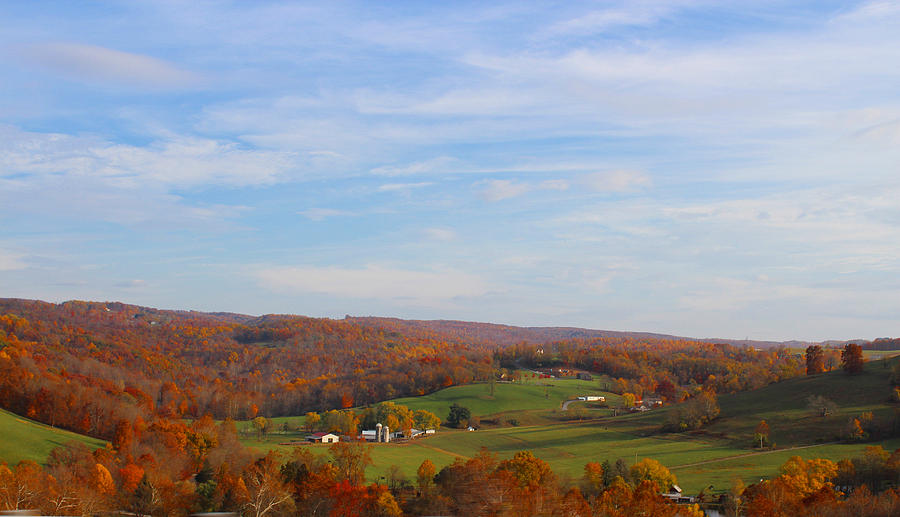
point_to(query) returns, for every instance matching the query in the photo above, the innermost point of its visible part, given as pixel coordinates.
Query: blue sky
(688, 167)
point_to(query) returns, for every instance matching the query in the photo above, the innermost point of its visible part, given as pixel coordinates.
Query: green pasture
(509, 400)
(24, 439)
(712, 456)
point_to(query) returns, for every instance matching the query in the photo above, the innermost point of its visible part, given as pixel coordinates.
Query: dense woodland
(154, 383)
(172, 469)
(674, 369)
(86, 366)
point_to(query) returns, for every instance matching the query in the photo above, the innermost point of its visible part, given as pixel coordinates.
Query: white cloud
(730, 294)
(319, 214)
(434, 165)
(11, 261)
(373, 282)
(131, 284)
(179, 161)
(631, 14)
(440, 234)
(103, 65)
(498, 190)
(488, 101)
(554, 185)
(616, 181)
(393, 187)
(91, 199)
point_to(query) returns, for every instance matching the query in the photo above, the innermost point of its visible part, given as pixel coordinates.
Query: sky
(706, 169)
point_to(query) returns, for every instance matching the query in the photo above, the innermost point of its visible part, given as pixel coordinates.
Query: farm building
(380, 434)
(584, 376)
(675, 495)
(323, 438)
(419, 433)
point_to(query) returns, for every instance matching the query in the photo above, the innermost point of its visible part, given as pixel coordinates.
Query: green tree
(423, 419)
(459, 416)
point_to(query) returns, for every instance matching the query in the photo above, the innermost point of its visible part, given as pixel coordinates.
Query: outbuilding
(324, 438)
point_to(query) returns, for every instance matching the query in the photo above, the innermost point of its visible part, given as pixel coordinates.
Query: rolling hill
(24, 439)
(711, 456)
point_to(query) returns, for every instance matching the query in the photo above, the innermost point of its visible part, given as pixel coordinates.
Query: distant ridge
(508, 334)
(471, 331)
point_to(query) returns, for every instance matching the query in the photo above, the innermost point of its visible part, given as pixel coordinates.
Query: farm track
(442, 451)
(737, 456)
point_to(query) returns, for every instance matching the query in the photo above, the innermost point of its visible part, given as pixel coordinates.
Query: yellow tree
(592, 481)
(807, 476)
(312, 421)
(649, 469)
(425, 475)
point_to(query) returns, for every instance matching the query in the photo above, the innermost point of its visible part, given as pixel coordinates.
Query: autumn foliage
(87, 366)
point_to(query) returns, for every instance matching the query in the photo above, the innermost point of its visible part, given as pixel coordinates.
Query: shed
(324, 438)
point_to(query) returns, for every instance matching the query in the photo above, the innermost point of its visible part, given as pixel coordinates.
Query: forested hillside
(86, 366)
(509, 334)
(152, 382)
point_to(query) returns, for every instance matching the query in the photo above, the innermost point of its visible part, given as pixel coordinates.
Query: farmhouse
(323, 438)
(675, 495)
(653, 401)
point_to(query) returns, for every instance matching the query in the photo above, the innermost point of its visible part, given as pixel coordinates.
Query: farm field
(24, 439)
(712, 456)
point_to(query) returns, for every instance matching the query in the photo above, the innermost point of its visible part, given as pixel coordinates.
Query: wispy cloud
(320, 214)
(616, 181)
(11, 261)
(440, 234)
(131, 284)
(629, 14)
(393, 187)
(96, 64)
(433, 165)
(375, 282)
(178, 161)
(498, 190)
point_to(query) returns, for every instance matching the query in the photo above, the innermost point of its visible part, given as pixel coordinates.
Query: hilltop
(509, 334)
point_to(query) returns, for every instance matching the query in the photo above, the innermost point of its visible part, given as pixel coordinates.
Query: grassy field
(23, 439)
(874, 355)
(527, 416)
(713, 456)
(532, 401)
